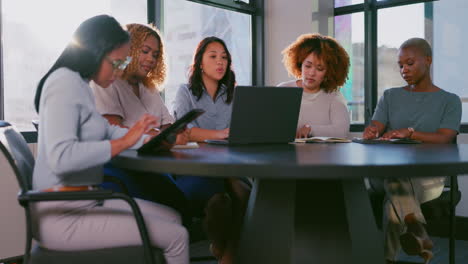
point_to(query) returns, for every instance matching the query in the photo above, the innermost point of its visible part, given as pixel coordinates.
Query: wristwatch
(411, 131)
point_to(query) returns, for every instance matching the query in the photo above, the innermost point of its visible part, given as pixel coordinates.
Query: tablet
(164, 141)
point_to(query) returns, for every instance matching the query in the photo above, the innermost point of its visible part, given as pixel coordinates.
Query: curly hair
(138, 34)
(328, 50)
(195, 72)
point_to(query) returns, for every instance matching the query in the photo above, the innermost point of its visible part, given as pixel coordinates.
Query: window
(34, 36)
(349, 31)
(187, 24)
(450, 33)
(391, 33)
(340, 3)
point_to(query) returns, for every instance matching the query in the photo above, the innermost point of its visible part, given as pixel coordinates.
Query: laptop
(263, 115)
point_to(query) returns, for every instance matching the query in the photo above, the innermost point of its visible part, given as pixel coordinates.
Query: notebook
(322, 140)
(390, 141)
(263, 115)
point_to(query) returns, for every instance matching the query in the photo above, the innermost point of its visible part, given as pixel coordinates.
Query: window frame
(255, 9)
(370, 9)
(155, 15)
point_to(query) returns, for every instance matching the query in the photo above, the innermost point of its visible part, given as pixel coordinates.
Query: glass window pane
(395, 25)
(339, 3)
(450, 56)
(349, 31)
(187, 23)
(32, 41)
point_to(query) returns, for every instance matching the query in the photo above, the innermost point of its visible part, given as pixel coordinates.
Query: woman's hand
(183, 137)
(142, 126)
(154, 132)
(370, 132)
(397, 133)
(223, 134)
(303, 132)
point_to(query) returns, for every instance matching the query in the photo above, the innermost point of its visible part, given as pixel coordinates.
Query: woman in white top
(320, 66)
(131, 96)
(74, 143)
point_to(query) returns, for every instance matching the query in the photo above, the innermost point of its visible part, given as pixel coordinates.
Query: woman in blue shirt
(211, 88)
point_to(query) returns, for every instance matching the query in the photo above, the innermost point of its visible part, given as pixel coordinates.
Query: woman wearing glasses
(420, 111)
(75, 141)
(128, 98)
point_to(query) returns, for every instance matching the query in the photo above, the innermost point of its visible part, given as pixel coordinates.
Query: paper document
(322, 140)
(190, 145)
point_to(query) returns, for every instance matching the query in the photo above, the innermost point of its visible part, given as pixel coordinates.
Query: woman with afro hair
(320, 66)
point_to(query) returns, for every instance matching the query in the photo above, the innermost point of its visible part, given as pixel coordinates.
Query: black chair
(21, 160)
(439, 213)
(35, 123)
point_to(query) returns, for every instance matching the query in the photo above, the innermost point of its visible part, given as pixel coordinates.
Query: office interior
(256, 31)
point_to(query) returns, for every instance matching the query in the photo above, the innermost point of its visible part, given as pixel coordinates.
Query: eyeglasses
(119, 65)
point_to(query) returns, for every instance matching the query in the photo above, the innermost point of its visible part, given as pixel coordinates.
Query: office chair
(439, 213)
(21, 160)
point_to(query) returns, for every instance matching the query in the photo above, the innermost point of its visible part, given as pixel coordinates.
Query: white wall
(284, 22)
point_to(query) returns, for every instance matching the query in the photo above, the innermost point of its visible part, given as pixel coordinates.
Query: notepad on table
(322, 140)
(189, 145)
(386, 141)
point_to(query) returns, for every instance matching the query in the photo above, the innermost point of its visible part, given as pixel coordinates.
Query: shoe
(416, 242)
(216, 252)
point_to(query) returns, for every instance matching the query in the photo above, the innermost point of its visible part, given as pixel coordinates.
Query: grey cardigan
(73, 142)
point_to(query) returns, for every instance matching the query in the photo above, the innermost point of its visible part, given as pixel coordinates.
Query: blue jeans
(159, 188)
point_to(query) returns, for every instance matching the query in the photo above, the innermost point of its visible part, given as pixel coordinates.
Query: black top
(317, 161)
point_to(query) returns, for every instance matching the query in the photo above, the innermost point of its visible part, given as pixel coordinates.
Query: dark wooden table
(309, 203)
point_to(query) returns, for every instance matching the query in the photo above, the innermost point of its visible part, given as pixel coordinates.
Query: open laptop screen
(264, 114)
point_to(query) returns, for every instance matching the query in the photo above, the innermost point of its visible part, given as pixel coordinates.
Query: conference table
(309, 202)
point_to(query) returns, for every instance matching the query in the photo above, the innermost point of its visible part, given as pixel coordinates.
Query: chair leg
(452, 223)
(27, 250)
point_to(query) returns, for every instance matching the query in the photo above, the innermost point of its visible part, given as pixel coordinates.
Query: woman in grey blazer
(75, 141)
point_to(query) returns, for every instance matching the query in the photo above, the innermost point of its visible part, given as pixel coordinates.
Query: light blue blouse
(217, 112)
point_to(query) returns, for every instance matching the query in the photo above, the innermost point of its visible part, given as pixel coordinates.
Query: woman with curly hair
(320, 66)
(131, 96)
(137, 91)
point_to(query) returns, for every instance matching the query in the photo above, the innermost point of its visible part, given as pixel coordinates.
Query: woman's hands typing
(142, 126)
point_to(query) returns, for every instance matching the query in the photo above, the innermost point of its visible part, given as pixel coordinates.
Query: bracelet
(411, 130)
